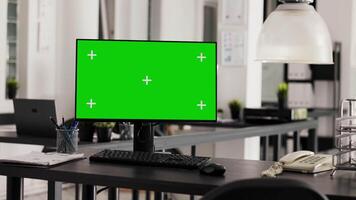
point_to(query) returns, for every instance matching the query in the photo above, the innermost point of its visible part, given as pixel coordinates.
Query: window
(8, 49)
(11, 63)
(210, 22)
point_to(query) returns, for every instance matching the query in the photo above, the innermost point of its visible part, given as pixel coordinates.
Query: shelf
(12, 1)
(11, 61)
(300, 81)
(321, 112)
(11, 41)
(11, 38)
(12, 20)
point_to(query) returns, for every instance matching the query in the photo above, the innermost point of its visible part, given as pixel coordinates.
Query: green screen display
(145, 80)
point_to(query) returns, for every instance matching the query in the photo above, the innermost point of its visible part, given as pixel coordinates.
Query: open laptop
(32, 117)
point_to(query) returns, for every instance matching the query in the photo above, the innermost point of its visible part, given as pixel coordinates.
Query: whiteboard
(233, 48)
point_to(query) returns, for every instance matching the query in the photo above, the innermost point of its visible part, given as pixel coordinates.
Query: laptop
(32, 117)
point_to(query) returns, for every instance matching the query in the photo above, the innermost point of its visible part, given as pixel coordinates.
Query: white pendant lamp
(295, 33)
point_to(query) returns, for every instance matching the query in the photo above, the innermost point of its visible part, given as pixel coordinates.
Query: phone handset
(292, 157)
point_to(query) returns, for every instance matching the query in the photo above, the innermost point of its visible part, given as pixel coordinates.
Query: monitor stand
(143, 137)
(143, 141)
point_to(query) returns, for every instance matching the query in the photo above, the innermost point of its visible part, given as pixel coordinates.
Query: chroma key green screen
(145, 80)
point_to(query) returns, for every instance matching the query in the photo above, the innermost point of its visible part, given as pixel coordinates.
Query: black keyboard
(149, 159)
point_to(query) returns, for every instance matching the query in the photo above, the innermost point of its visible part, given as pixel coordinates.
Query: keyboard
(149, 159)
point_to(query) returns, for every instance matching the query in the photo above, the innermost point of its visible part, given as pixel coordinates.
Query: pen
(74, 125)
(63, 125)
(54, 122)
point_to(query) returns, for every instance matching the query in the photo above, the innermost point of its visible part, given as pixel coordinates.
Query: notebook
(39, 159)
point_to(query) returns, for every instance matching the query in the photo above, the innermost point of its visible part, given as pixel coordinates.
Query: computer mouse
(212, 169)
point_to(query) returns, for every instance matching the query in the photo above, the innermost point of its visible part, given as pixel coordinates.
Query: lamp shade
(295, 33)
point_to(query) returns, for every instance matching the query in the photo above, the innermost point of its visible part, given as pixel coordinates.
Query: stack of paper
(39, 159)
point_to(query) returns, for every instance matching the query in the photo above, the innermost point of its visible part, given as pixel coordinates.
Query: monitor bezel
(142, 120)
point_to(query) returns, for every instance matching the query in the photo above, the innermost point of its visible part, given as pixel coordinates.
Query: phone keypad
(312, 160)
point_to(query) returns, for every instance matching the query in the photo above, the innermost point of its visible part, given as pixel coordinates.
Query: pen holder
(67, 141)
(126, 131)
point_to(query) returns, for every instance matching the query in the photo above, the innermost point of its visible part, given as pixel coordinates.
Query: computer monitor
(119, 80)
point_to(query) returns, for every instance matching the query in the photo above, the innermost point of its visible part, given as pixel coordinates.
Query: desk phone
(306, 162)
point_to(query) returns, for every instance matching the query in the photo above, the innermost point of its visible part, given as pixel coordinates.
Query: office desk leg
(192, 197)
(265, 148)
(54, 190)
(193, 152)
(277, 147)
(14, 188)
(312, 141)
(158, 195)
(112, 193)
(88, 192)
(77, 191)
(296, 141)
(148, 195)
(135, 195)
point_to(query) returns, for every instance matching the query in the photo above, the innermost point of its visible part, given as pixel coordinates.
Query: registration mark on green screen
(145, 80)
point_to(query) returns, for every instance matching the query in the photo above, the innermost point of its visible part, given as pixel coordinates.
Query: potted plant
(220, 114)
(104, 130)
(86, 131)
(11, 86)
(235, 109)
(282, 94)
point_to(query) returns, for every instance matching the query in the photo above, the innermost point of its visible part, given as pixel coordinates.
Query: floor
(68, 194)
(125, 194)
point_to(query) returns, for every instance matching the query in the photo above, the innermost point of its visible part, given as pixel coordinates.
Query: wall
(5, 105)
(47, 70)
(254, 72)
(3, 54)
(353, 49)
(131, 19)
(47, 64)
(242, 82)
(272, 76)
(178, 20)
(37, 50)
(337, 16)
(181, 20)
(35, 73)
(75, 19)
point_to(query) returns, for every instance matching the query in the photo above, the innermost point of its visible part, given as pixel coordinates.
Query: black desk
(190, 138)
(341, 186)
(12, 137)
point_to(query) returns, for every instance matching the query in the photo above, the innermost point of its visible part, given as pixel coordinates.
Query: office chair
(265, 189)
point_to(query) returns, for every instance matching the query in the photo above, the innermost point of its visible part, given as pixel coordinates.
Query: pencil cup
(67, 141)
(126, 131)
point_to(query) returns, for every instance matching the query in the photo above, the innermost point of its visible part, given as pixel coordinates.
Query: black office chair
(265, 189)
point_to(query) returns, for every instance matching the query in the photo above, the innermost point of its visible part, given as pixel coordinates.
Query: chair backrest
(265, 189)
(6, 119)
